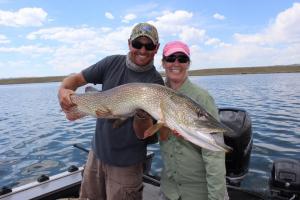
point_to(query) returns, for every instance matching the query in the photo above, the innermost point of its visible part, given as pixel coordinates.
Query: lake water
(35, 137)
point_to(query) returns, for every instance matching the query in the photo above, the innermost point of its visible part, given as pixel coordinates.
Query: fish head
(190, 116)
(193, 123)
(204, 120)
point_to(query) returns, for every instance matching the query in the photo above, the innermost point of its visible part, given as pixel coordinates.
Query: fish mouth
(203, 138)
(214, 126)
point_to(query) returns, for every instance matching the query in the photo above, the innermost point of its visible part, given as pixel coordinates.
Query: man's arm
(67, 87)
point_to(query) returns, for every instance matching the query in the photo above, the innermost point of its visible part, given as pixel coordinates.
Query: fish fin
(91, 89)
(152, 130)
(119, 122)
(164, 133)
(103, 113)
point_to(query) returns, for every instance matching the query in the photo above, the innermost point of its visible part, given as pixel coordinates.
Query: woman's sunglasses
(138, 45)
(180, 58)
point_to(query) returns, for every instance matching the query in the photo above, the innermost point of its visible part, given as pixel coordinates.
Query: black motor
(237, 161)
(285, 180)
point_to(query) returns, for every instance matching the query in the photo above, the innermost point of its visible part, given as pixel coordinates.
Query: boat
(284, 181)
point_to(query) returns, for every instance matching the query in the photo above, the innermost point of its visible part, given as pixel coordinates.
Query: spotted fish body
(168, 107)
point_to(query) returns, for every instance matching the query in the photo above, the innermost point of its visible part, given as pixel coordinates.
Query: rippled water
(36, 139)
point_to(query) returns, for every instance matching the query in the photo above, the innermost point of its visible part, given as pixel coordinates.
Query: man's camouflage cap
(145, 29)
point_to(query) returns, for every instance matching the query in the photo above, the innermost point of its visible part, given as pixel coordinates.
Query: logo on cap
(145, 29)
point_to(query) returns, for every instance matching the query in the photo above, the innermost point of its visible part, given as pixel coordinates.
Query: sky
(59, 37)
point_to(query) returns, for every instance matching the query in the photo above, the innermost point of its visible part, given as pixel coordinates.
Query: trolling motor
(237, 161)
(284, 182)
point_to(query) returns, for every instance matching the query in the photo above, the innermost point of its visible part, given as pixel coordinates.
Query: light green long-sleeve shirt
(191, 172)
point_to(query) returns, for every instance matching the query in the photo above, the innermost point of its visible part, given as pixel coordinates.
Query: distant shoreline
(201, 72)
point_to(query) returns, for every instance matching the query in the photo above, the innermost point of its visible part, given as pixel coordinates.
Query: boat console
(285, 179)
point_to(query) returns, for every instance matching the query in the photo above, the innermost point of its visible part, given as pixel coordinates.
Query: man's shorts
(106, 182)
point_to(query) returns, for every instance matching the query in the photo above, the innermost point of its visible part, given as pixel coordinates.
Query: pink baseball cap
(176, 46)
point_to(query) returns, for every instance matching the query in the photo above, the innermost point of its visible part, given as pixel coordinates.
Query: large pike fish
(169, 108)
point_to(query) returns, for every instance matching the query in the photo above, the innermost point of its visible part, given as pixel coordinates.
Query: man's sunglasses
(138, 45)
(180, 58)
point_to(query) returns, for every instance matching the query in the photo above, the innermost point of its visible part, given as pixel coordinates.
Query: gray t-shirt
(118, 146)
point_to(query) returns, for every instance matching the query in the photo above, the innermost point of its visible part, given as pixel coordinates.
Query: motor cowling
(285, 179)
(237, 161)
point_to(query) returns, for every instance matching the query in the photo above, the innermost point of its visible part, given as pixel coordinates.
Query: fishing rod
(79, 146)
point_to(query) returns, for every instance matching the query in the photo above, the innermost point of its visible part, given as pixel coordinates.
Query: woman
(189, 172)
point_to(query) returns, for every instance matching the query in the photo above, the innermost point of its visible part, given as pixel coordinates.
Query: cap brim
(144, 35)
(176, 50)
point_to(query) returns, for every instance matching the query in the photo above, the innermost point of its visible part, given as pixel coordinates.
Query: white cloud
(212, 41)
(27, 49)
(276, 44)
(69, 60)
(245, 50)
(105, 29)
(175, 24)
(4, 39)
(128, 18)
(218, 16)
(284, 29)
(70, 49)
(108, 15)
(177, 17)
(23, 17)
(79, 53)
(102, 38)
(78, 48)
(15, 68)
(64, 34)
(192, 35)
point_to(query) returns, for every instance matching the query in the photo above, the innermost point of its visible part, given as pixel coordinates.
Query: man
(114, 167)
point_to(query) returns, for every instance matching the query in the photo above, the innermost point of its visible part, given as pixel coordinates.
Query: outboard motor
(237, 161)
(285, 179)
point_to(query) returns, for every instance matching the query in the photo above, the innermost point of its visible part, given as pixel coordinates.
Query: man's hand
(66, 104)
(67, 88)
(64, 97)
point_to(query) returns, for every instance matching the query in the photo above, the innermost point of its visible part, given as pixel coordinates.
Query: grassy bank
(200, 72)
(31, 80)
(247, 70)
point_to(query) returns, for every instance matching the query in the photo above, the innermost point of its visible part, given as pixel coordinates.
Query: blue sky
(59, 37)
